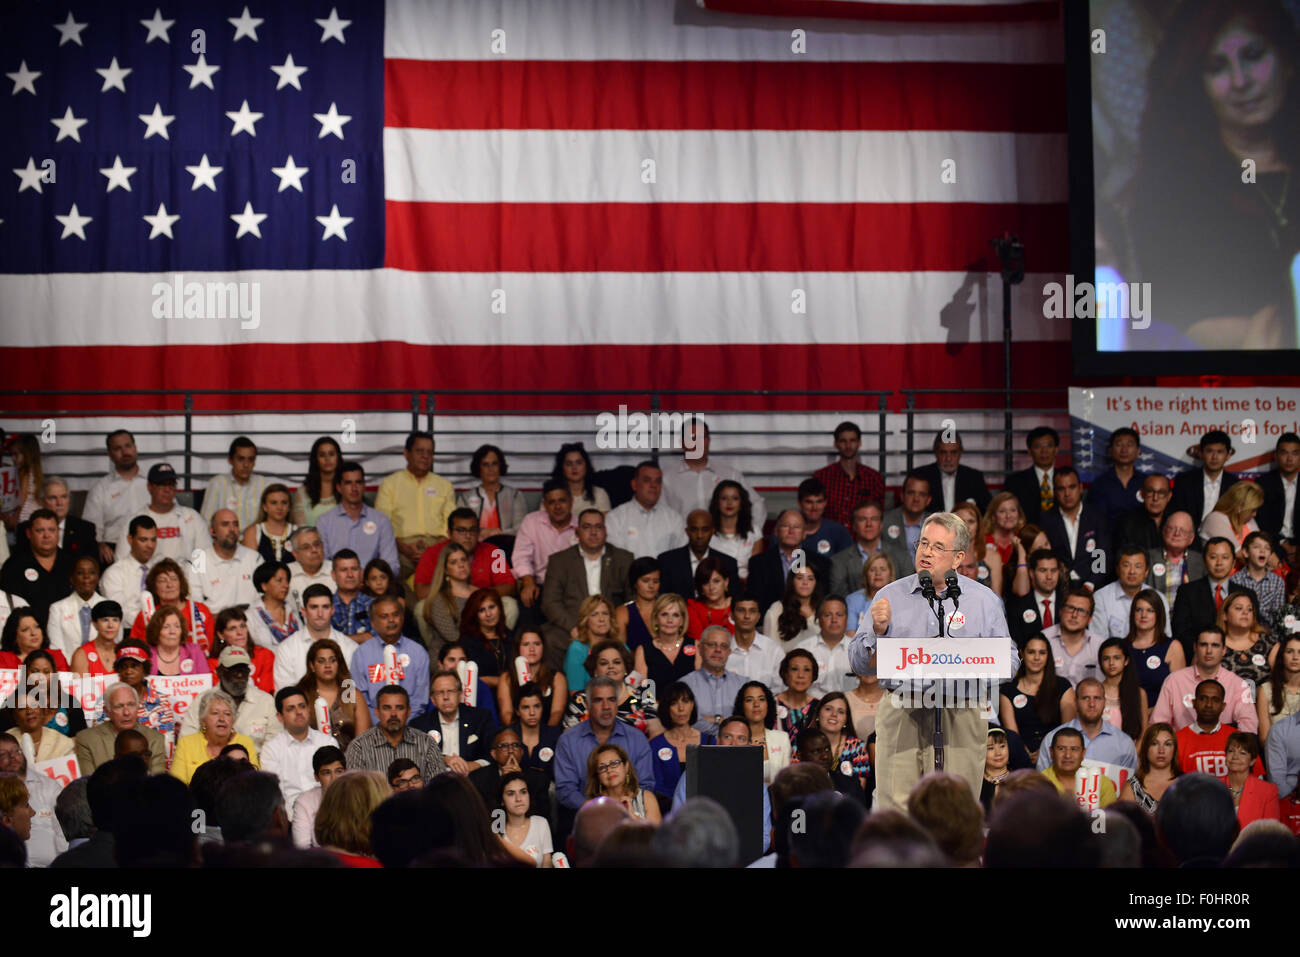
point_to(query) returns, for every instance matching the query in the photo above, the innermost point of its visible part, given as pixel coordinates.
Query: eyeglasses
(612, 765)
(1076, 610)
(510, 746)
(928, 546)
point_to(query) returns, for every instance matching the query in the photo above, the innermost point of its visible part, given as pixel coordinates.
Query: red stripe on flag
(716, 369)
(707, 237)
(724, 95)
(913, 12)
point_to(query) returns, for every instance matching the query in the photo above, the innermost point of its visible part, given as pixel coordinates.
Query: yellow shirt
(1106, 788)
(416, 507)
(192, 750)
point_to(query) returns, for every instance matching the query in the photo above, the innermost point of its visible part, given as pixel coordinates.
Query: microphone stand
(927, 589)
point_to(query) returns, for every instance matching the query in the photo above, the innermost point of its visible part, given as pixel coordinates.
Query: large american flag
(548, 194)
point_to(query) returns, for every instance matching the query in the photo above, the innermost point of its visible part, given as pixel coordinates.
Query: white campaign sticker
(893, 531)
(546, 754)
(1020, 700)
(1158, 569)
(1154, 661)
(1028, 615)
(370, 528)
(665, 754)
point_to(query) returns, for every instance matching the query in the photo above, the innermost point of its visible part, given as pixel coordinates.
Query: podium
(936, 673)
(732, 776)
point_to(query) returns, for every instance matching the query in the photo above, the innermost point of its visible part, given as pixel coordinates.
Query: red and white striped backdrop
(774, 171)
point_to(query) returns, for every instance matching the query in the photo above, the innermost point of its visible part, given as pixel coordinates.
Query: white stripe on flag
(723, 166)
(577, 308)
(652, 30)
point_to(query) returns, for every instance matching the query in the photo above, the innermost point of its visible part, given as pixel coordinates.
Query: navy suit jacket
(1189, 492)
(970, 484)
(474, 723)
(1269, 517)
(1092, 526)
(675, 571)
(766, 582)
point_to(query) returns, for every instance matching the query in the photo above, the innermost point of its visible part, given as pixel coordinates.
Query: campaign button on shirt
(1020, 700)
(1158, 569)
(370, 528)
(546, 754)
(893, 531)
(958, 620)
(665, 754)
(187, 666)
(1259, 660)
(436, 735)
(1028, 615)
(823, 546)
(30, 574)
(846, 768)
(1153, 662)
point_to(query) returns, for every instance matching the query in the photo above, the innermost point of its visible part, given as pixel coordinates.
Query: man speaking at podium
(905, 721)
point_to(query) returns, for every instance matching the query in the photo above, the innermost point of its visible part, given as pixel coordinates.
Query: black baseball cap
(162, 474)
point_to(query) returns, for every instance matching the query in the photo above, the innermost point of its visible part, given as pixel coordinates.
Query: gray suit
(846, 566)
(95, 747)
(1193, 561)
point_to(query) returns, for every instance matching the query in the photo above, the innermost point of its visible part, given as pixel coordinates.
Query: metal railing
(437, 411)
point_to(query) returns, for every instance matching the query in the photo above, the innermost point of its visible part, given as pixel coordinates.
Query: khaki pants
(905, 749)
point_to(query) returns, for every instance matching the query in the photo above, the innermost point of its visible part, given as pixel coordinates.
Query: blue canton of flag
(148, 137)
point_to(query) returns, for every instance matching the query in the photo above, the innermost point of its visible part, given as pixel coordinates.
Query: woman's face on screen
(1244, 77)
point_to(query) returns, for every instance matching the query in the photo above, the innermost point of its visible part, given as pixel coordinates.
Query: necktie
(85, 623)
(1218, 597)
(144, 576)
(1047, 613)
(1045, 495)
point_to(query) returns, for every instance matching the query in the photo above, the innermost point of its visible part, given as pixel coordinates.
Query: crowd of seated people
(567, 657)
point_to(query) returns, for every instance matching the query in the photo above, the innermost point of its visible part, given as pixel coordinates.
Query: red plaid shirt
(844, 494)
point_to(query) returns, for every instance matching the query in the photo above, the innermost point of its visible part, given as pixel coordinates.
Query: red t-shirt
(1204, 752)
(9, 659)
(486, 570)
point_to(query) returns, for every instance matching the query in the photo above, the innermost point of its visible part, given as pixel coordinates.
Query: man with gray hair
(905, 721)
(310, 566)
(72, 808)
(699, 833)
(601, 727)
(715, 688)
(121, 713)
(76, 535)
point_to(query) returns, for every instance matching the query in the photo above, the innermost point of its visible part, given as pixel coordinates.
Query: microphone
(950, 581)
(927, 585)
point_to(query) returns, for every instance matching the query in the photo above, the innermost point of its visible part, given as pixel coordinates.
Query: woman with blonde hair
(670, 656)
(450, 590)
(1000, 527)
(1234, 516)
(877, 572)
(987, 559)
(26, 453)
(343, 821)
(1250, 650)
(596, 622)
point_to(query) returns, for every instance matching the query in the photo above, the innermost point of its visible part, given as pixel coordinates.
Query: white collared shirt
(832, 664)
(1211, 489)
(1039, 598)
(244, 500)
(450, 731)
(291, 656)
(1072, 530)
(1288, 507)
(300, 581)
(593, 570)
(290, 760)
(1039, 474)
(761, 661)
(686, 489)
(224, 582)
(646, 533)
(64, 626)
(122, 582)
(949, 484)
(181, 532)
(112, 502)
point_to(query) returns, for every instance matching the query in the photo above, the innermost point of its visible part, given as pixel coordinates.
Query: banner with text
(923, 659)
(1172, 421)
